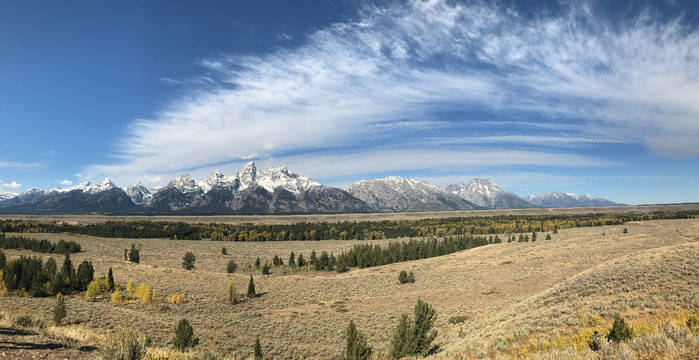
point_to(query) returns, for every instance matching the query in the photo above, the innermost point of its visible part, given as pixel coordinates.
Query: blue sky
(580, 96)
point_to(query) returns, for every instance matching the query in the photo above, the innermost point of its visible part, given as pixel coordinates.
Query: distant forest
(358, 230)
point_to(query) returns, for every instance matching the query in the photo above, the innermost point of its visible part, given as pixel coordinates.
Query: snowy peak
(247, 175)
(486, 193)
(395, 193)
(184, 184)
(560, 199)
(139, 194)
(281, 177)
(216, 179)
(88, 187)
(7, 195)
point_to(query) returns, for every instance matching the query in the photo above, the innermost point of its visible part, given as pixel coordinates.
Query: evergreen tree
(85, 274)
(184, 336)
(110, 279)
(251, 288)
(188, 261)
(323, 261)
(292, 260)
(275, 261)
(301, 260)
(313, 260)
(257, 263)
(3, 260)
(59, 310)
(224, 251)
(411, 277)
(232, 294)
(125, 254)
(620, 331)
(50, 267)
(534, 236)
(135, 254)
(402, 338)
(257, 350)
(265, 269)
(357, 348)
(230, 268)
(425, 317)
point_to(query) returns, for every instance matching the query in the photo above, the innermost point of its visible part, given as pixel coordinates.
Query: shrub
(620, 331)
(265, 269)
(188, 260)
(175, 299)
(59, 310)
(357, 348)
(117, 298)
(231, 267)
(131, 287)
(110, 280)
(24, 320)
(94, 288)
(457, 319)
(405, 277)
(128, 344)
(224, 251)
(693, 323)
(3, 287)
(232, 294)
(184, 336)
(145, 294)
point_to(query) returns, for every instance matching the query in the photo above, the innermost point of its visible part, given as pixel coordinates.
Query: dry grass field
(520, 300)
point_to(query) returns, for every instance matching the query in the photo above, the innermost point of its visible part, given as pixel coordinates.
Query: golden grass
(538, 300)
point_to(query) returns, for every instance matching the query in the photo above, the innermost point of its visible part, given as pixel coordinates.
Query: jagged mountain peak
(561, 199)
(394, 193)
(485, 193)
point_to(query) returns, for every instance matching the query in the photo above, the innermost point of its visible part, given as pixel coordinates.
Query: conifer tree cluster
(38, 279)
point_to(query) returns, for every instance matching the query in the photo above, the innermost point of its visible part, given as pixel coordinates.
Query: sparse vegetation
(127, 344)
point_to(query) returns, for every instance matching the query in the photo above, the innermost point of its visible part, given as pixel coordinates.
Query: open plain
(540, 300)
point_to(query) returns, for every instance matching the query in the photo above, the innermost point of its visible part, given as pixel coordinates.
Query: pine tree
(313, 260)
(134, 254)
(224, 251)
(257, 263)
(251, 288)
(232, 294)
(301, 261)
(265, 269)
(357, 348)
(425, 317)
(188, 260)
(402, 338)
(59, 310)
(403, 277)
(257, 350)
(110, 279)
(620, 331)
(275, 261)
(292, 260)
(184, 336)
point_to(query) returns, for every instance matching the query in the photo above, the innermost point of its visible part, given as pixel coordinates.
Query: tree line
(42, 246)
(346, 230)
(36, 278)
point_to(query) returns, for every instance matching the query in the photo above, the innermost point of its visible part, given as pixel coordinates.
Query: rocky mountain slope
(487, 194)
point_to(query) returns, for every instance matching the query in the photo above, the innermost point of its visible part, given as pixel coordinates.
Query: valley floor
(519, 299)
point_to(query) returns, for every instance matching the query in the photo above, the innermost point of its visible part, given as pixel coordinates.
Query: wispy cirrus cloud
(425, 70)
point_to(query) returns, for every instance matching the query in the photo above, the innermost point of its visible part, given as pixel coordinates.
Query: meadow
(510, 300)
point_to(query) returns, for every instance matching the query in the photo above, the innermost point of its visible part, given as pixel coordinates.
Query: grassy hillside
(540, 300)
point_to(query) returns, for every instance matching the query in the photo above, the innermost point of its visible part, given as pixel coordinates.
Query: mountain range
(278, 191)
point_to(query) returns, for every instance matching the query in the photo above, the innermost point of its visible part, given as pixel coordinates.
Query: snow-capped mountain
(7, 195)
(402, 194)
(250, 191)
(139, 194)
(487, 194)
(559, 199)
(88, 187)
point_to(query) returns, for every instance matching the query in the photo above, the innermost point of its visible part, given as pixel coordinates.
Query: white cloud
(636, 81)
(66, 182)
(12, 185)
(152, 179)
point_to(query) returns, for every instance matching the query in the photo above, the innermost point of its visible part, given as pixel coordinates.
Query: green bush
(357, 348)
(188, 261)
(59, 310)
(184, 336)
(231, 267)
(620, 331)
(457, 319)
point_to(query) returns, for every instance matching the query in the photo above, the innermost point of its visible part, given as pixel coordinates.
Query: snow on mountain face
(559, 199)
(247, 175)
(7, 195)
(88, 187)
(139, 194)
(402, 194)
(281, 177)
(184, 184)
(487, 194)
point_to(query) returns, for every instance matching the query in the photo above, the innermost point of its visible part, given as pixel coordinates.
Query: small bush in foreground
(184, 336)
(620, 331)
(128, 344)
